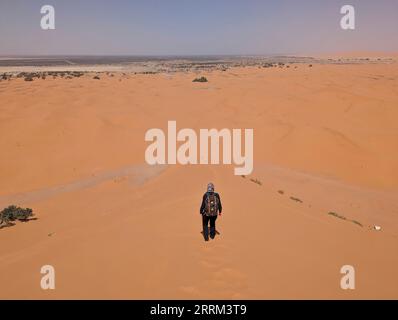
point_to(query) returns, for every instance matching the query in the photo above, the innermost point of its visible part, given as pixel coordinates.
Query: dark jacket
(203, 206)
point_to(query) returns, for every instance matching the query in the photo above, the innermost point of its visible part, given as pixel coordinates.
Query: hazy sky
(186, 27)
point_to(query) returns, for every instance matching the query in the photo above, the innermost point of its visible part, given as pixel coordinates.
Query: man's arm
(202, 207)
(219, 203)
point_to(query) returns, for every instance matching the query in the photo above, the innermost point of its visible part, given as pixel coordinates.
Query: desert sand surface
(325, 140)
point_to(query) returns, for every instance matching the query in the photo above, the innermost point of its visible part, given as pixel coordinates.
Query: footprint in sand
(229, 280)
(192, 290)
(209, 264)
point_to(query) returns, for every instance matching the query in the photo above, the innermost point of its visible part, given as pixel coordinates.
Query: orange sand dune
(113, 227)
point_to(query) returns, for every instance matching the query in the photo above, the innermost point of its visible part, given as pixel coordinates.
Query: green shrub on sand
(13, 213)
(201, 79)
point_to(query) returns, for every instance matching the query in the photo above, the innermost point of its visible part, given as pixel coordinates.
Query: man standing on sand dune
(210, 208)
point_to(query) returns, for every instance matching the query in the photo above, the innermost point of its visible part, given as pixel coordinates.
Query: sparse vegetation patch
(201, 79)
(13, 213)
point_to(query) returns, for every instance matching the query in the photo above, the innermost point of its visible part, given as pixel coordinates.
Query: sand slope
(113, 227)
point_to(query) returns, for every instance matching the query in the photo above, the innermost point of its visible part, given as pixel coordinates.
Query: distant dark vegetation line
(98, 60)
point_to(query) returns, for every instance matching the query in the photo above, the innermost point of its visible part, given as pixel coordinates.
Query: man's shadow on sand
(209, 234)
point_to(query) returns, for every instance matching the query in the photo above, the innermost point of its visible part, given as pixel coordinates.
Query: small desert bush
(201, 79)
(296, 199)
(334, 214)
(256, 181)
(357, 223)
(13, 213)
